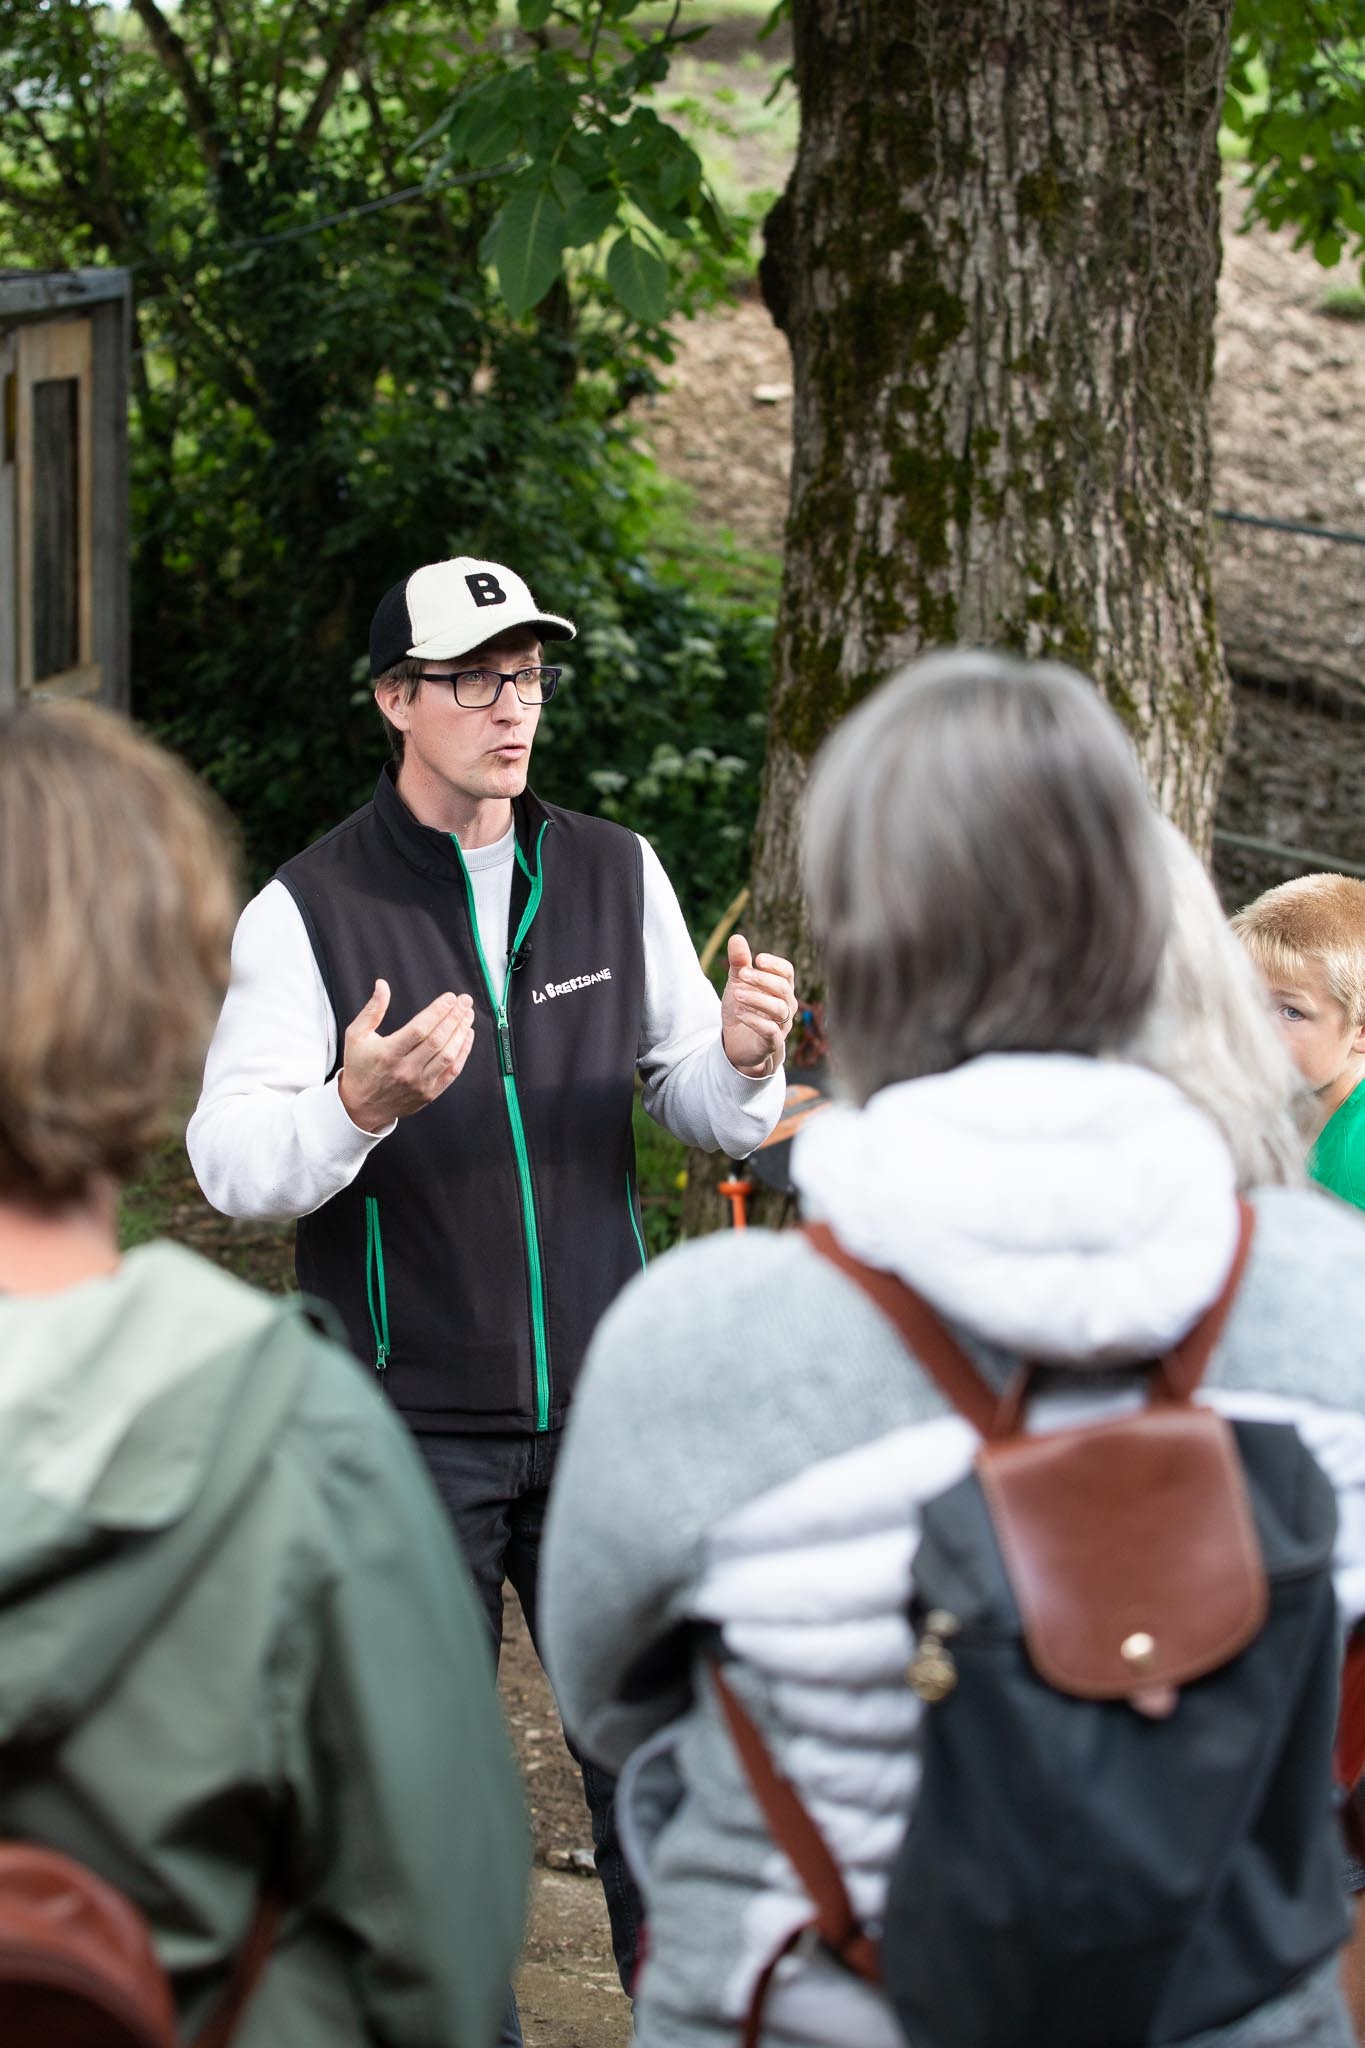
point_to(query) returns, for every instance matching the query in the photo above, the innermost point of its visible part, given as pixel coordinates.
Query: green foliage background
(398, 272)
(1296, 108)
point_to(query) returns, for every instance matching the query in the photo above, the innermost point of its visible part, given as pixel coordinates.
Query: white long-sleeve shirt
(270, 1138)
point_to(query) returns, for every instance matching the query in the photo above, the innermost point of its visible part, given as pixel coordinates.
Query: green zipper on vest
(374, 1285)
(534, 1262)
(630, 1211)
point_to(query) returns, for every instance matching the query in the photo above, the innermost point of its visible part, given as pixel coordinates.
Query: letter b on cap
(486, 590)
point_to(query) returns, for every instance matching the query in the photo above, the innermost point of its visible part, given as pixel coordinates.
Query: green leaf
(529, 247)
(639, 143)
(533, 14)
(437, 128)
(567, 186)
(713, 222)
(674, 226)
(492, 144)
(639, 279)
(681, 172)
(650, 67)
(1327, 249)
(589, 218)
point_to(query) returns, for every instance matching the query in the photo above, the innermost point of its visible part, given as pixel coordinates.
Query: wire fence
(1291, 597)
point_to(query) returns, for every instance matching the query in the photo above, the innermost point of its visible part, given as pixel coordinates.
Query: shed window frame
(55, 351)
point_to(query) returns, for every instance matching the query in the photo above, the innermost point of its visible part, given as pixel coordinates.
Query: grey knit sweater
(750, 1448)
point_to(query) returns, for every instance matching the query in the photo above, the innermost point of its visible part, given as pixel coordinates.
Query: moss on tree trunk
(996, 263)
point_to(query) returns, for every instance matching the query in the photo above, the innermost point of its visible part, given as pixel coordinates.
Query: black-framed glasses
(476, 688)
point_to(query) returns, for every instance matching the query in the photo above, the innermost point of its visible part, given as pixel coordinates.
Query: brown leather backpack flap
(1131, 1550)
(76, 1957)
(78, 1965)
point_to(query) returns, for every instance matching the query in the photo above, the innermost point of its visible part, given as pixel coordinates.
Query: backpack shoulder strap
(995, 1415)
(796, 1834)
(792, 1828)
(248, 1967)
(933, 1344)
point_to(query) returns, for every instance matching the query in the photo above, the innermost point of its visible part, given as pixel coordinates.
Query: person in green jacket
(1307, 937)
(235, 1635)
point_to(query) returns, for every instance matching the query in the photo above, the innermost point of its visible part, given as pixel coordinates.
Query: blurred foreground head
(116, 914)
(984, 870)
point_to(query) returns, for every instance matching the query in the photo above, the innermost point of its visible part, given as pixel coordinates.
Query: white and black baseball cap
(446, 608)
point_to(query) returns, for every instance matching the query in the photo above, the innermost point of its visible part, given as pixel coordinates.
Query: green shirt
(1337, 1160)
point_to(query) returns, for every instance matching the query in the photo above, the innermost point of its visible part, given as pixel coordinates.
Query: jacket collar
(433, 853)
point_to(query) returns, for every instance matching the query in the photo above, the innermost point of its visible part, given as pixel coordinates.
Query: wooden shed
(64, 352)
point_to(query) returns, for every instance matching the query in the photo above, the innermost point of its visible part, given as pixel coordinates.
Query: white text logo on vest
(564, 988)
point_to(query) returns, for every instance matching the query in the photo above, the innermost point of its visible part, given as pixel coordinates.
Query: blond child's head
(1307, 937)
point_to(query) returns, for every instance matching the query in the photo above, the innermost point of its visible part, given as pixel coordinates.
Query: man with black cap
(464, 1181)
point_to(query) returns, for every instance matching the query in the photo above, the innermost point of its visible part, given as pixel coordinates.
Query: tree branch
(183, 312)
(46, 225)
(272, 140)
(171, 49)
(71, 185)
(379, 127)
(72, 68)
(354, 22)
(103, 167)
(89, 203)
(37, 205)
(224, 28)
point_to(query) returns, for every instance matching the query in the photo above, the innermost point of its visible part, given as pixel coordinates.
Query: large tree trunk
(996, 263)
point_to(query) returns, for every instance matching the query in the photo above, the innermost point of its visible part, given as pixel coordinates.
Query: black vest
(473, 1255)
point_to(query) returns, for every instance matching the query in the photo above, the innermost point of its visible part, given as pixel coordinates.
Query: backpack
(77, 1965)
(1126, 1642)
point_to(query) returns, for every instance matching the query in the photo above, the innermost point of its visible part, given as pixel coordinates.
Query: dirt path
(567, 1986)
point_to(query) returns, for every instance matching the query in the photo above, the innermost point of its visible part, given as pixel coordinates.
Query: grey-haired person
(992, 894)
(428, 1056)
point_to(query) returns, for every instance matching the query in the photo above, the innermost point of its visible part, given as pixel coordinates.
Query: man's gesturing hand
(387, 1077)
(757, 1009)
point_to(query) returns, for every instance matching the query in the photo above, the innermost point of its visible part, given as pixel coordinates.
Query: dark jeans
(495, 1489)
